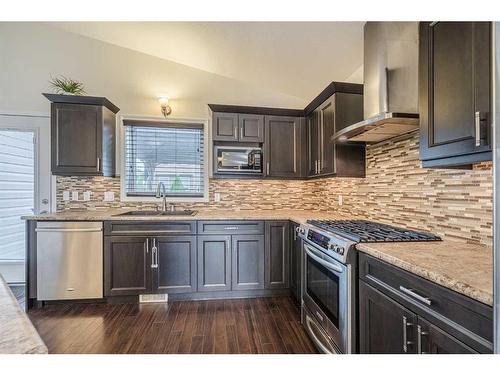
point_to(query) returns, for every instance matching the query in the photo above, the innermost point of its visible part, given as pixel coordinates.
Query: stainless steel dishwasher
(69, 260)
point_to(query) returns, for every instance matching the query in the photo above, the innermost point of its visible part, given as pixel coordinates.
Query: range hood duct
(390, 101)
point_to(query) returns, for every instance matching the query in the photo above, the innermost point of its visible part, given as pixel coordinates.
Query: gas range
(338, 237)
(329, 276)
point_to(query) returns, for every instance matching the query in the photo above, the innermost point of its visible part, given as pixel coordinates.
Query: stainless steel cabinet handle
(98, 164)
(267, 168)
(477, 123)
(317, 341)
(316, 167)
(241, 133)
(147, 245)
(319, 166)
(418, 297)
(324, 263)
(420, 333)
(231, 228)
(154, 255)
(405, 334)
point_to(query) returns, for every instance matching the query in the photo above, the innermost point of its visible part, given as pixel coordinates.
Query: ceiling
(294, 58)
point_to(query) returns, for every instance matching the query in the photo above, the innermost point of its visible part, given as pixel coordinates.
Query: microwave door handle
(328, 265)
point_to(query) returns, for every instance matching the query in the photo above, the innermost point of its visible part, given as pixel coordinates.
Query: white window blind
(168, 153)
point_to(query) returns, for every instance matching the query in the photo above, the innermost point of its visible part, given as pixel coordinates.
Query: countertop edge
(440, 279)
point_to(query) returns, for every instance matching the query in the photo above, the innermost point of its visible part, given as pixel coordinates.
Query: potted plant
(66, 86)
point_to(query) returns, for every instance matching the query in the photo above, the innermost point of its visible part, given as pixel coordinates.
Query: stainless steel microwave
(239, 160)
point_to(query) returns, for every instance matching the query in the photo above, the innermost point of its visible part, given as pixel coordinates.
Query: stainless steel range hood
(390, 69)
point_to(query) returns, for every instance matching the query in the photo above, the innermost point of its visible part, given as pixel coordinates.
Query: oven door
(326, 294)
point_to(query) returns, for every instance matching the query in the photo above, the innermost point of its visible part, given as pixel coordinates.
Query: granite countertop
(298, 216)
(464, 268)
(17, 334)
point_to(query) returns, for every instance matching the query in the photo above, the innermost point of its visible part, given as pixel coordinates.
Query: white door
(25, 186)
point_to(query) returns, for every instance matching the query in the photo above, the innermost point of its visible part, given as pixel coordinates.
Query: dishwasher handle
(68, 230)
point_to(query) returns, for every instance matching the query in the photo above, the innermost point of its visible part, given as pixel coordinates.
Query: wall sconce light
(165, 108)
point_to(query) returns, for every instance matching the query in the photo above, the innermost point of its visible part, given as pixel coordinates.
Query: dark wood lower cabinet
(432, 340)
(176, 265)
(214, 263)
(127, 266)
(277, 252)
(385, 326)
(247, 262)
(295, 262)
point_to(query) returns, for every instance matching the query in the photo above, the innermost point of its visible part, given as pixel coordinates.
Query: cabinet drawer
(464, 317)
(149, 227)
(231, 227)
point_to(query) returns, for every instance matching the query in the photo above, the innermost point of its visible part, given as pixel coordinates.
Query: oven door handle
(317, 341)
(332, 267)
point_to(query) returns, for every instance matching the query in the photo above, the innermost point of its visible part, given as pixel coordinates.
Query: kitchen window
(169, 152)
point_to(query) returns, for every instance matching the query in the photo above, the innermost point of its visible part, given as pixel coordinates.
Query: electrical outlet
(86, 195)
(65, 195)
(74, 195)
(341, 200)
(109, 196)
(217, 197)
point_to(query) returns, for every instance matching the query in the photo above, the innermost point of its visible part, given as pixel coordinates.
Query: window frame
(160, 120)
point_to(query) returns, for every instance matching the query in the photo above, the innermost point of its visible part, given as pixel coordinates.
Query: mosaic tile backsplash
(456, 204)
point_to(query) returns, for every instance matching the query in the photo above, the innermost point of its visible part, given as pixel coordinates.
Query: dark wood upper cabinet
(247, 262)
(385, 327)
(324, 157)
(454, 93)
(127, 266)
(282, 150)
(225, 127)
(175, 270)
(251, 128)
(82, 135)
(214, 263)
(277, 253)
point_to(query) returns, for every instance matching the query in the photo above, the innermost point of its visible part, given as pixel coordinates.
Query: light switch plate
(65, 195)
(109, 196)
(74, 195)
(86, 195)
(217, 197)
(341, 200)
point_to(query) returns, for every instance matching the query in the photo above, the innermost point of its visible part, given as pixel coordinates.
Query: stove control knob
(341, 250)
(336, 248)
(331, 246)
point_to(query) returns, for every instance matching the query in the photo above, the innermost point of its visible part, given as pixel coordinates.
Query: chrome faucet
(161, 192)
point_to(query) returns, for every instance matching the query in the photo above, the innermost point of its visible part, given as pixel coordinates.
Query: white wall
(31, 52)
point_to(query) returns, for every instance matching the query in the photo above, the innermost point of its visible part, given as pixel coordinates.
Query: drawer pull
(418, 297)
(419, 339)
(231, 228)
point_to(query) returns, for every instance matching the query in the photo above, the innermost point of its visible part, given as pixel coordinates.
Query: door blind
(170, 154)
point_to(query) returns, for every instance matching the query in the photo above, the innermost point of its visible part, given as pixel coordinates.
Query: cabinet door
(176, 264)
(76, 139)
(326, 131)
(251, 128)
(247, 262)
(385, 327)
(313, 140)
(214, 263)
(455, 116)
(277, 266)
(225, 127)
(295, 263)
(432, 340)
(127, 266)
(283, 138)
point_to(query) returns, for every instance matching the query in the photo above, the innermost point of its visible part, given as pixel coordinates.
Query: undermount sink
(158, 213)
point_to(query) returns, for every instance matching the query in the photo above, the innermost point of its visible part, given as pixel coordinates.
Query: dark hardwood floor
(257, 325)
